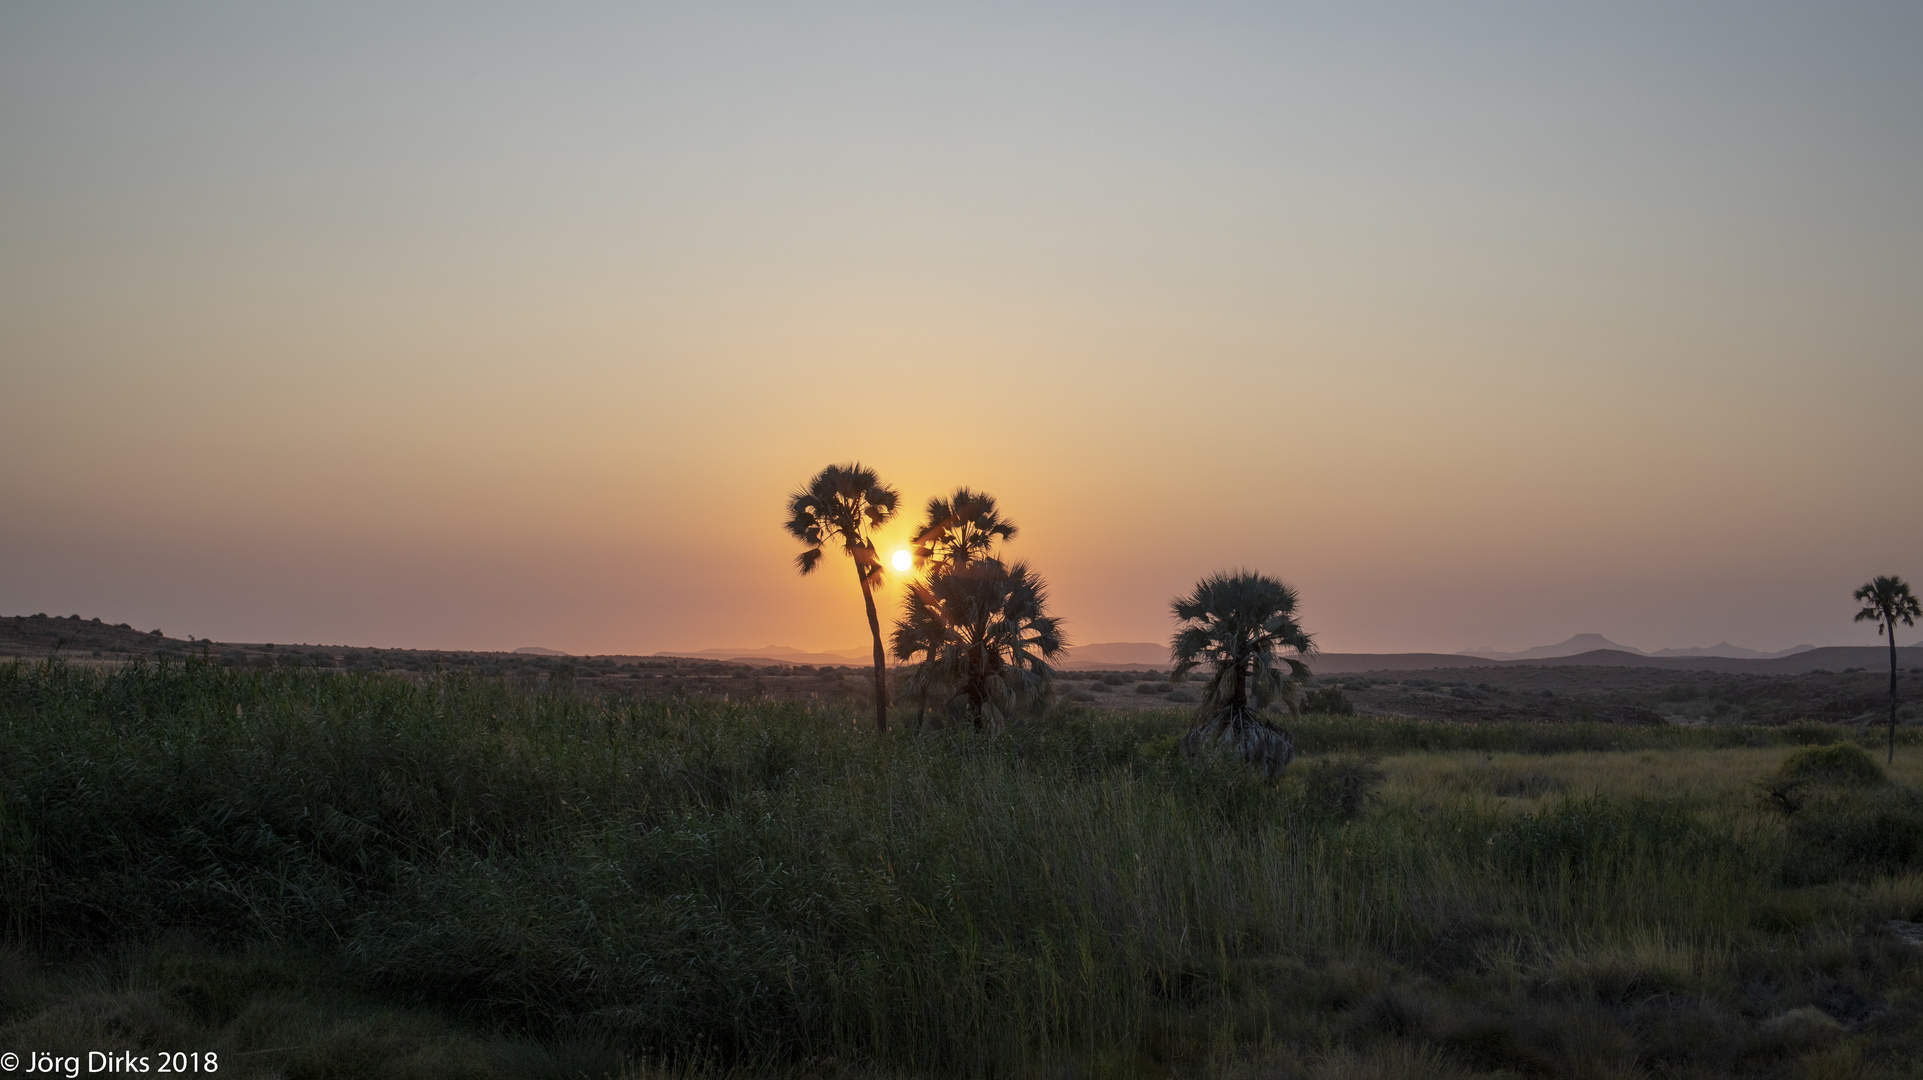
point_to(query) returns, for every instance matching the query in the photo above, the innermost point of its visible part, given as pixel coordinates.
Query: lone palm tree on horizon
(844, 502)
(1236, 623)
(1886, 601)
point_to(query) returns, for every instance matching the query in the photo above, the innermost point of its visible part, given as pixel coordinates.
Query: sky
(471, 325)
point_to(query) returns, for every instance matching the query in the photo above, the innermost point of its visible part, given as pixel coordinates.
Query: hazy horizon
(482, 327)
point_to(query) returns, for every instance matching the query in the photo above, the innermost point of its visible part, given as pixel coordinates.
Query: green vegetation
(1836, 763)
(343, 874)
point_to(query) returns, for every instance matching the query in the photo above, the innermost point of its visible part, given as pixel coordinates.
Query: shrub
(1838, 763)
(1855, 836)
(1329, 701)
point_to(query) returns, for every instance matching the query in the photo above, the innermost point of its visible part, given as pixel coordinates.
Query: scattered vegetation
(455, 875)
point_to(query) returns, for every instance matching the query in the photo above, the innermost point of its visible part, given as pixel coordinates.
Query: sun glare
(901, 561)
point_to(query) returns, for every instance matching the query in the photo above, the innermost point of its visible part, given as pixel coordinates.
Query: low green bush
(1855, 835)
(1836, 763)
(1329, 701)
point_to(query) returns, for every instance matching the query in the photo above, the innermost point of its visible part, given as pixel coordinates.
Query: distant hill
(536, 650)
(1116, 654)
(1831, 658)
(780, 654)
(1733, 652)
(1577, 645)
(1587, 643)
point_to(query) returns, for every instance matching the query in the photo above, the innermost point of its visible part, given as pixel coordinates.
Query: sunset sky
(488, 325)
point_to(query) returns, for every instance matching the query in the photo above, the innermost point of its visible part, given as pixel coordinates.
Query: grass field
(323, 874)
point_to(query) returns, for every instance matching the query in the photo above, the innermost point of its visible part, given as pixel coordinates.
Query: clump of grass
(1328, 701)
(1342, 786)
(1835, 763)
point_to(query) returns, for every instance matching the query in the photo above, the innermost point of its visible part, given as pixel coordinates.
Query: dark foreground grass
(459, 877)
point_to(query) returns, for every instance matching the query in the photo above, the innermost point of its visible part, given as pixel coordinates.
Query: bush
(1838, 763)
(1855, 836)
(1328, 701)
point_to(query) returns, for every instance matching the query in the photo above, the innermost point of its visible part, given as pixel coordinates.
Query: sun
(901, 561)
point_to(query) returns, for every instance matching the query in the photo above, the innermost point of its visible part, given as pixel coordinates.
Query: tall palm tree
(1236, 624)
(843, 503)
(1887, 600)
(960, 529)
(981, 631)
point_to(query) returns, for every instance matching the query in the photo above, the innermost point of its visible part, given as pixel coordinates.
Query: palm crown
(982, 632)
(1237, 623)
(842, 502)
(960, 529)
(1886, 602)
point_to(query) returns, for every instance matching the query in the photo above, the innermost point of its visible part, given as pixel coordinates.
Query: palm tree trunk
(881, 662)
(1892, 627)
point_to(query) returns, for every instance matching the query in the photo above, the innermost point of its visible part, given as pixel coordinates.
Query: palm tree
(955, 532)
(981, 632)
(960, 529)
(1885, 601)
(844, 502)
(1236, 623)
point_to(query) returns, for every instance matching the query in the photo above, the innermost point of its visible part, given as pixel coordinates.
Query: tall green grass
(763, 882)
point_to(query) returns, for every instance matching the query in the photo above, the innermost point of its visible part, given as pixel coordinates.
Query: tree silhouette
(844, 502)
(982, 632)
(1236, 624)
(1886, 601)
(958, 530)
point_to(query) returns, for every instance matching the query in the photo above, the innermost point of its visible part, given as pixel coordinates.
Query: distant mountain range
(1582, 649)
(1583, 643)
(781, 654)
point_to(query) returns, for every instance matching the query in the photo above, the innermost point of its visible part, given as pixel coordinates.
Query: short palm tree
(960, 529)
(843, 503)
(980, 632)
(1887, 601)
(1237, 624)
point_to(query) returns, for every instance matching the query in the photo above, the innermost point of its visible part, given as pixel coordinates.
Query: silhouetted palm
(955, 531)
(959, 530)
(982, 633)
(843, 502)
(1887, 601)
(1236, 624)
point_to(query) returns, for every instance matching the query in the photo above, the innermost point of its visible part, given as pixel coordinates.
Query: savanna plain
(315, 873)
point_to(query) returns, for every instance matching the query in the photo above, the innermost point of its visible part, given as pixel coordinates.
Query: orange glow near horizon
(1442, 318)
